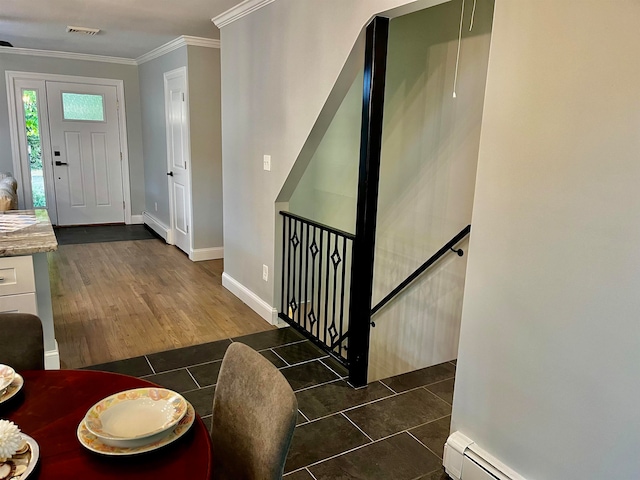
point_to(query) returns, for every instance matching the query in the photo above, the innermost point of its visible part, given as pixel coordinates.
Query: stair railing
(448, 247)
(314, 295)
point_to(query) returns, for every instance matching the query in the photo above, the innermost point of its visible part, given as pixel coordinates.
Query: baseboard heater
(464, 460)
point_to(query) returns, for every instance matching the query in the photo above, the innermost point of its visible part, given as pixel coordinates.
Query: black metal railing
(315, 292)
(449, 246)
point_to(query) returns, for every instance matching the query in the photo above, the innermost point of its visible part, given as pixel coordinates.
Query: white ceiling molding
(177, 43)
(67, 55)
(239, 11)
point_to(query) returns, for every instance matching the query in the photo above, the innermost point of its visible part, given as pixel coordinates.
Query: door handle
(170, 174)
(58, 163)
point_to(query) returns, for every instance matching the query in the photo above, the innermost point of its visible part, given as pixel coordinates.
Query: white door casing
(32, 80)
(178, 157)
(87, 157)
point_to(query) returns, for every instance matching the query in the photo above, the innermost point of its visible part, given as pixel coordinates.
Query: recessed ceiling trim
(68, 55)
(175, 44)
(239, 11)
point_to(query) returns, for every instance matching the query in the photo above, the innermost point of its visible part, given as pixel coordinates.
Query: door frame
(176, 73)
(21, 169)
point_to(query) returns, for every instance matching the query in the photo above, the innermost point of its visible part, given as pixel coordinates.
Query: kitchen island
(25, 238)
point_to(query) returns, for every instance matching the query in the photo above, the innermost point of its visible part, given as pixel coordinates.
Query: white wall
(278, 66)
(206, 145)
(154, 130)
(547, 375)
(83, 68)
(203, 65)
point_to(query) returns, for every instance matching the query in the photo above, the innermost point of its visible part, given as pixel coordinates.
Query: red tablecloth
(53, 402)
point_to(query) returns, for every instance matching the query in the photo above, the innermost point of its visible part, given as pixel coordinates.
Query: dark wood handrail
(434, 258)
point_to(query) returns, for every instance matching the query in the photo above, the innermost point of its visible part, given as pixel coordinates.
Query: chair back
(254, 415)
(21, 341)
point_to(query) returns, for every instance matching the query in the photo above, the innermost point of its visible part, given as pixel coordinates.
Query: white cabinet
(17, 285)
(24, 288)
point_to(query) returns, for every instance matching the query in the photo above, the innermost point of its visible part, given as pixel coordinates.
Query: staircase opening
(384, 182)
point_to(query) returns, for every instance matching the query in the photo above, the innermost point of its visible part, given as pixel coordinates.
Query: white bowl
(7, 374)
(135, 417)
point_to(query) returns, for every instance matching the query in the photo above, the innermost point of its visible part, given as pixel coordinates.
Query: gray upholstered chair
(254, 414)
(21, 343)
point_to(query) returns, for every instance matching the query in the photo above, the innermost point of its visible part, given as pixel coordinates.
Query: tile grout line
(368, 444)
(366, 403)
(416, 439)
(306, 418)
(320, 359)
(193, 378)
(150, 366)
(361, 431)
(302, 363)
(318, 385)
(286, 364)
(343, 453)
(387, 386)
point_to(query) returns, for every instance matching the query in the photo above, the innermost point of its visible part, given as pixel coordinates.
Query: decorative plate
(20, 465)
(135, 414)
(7, 374)
(12, 389)
(93, 443)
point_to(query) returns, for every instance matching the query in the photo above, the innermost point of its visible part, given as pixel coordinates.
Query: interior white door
(175, 83)
(86, 152)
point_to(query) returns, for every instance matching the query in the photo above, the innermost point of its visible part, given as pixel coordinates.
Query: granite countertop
(25, 232)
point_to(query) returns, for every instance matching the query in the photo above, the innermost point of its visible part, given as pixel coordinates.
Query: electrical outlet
(265, 273)
(156, 206)
(266, 162)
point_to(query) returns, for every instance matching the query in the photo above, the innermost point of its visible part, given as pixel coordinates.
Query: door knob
(170, 174)
(58, 162)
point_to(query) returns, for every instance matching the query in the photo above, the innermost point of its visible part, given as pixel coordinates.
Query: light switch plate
(266, 162)
(265, 273)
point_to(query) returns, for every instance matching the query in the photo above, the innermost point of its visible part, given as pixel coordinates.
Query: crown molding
(67, 55)
(176, 43)
(239, 11)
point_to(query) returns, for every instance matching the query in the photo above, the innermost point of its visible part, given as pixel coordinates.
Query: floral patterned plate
(7, 374)
(24, 463)
(12, 389)
(93, 443)
(135, 414)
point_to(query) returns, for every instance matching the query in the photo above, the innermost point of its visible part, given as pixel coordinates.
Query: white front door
(86, 153)
(175, 91)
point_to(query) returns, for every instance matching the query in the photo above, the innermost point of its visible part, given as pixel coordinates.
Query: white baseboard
(254, 302)
(157, 226)
(52, 359)
(137, 219)
(465, 460)
(199, 254)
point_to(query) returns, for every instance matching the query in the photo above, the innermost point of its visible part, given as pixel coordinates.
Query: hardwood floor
(118, 300)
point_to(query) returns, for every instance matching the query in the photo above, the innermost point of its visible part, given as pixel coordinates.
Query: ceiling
(129, 28)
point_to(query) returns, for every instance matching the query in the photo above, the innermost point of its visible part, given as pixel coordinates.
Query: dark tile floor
(392, 429)
(101, 233)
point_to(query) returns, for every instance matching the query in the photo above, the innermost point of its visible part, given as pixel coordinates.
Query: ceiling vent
(85, 30)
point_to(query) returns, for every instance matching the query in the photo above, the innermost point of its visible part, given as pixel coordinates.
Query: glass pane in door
(34, 146)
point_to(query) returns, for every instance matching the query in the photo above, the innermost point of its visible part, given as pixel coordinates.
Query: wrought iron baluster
(306, 279)
(326, 290)
(289, 270)
(284, 249)
(314, 252)
(342, 290)
(320, 284)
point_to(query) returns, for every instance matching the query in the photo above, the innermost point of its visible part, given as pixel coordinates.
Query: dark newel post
(369, 174)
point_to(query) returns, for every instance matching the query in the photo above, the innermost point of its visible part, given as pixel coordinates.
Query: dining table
(51, 405)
